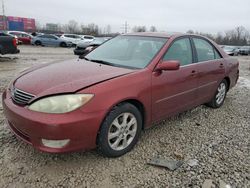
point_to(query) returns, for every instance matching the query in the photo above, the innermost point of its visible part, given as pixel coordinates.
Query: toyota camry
(106, 99)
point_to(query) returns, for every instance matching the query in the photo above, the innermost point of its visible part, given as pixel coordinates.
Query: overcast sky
(167, 15)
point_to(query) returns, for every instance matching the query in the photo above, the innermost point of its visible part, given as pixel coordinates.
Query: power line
(125, 27)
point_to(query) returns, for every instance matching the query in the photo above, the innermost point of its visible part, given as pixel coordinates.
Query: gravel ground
(217, 140)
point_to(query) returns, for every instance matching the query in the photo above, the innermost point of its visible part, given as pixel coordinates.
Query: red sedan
(119, 89)
(23, 38)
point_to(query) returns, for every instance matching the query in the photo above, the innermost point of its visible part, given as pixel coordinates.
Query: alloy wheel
(221, 93)
(122, 131)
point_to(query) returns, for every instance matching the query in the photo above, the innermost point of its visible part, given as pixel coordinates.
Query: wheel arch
(138, 104)
(228, 82)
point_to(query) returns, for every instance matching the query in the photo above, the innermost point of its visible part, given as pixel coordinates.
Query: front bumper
(31, 127)
(11, 51)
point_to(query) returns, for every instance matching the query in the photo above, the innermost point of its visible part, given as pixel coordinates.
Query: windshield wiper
(110, 64)
(83, 57)
(101, 62)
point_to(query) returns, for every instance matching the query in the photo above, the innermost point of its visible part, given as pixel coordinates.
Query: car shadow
(8, 59)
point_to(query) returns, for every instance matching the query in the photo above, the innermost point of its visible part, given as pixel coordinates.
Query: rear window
(88, 37)
(205, 51)
(70, 36)
(3, 35)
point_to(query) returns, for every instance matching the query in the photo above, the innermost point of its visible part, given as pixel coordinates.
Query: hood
(66, 77)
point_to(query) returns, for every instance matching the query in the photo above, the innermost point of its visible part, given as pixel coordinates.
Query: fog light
(55, 143)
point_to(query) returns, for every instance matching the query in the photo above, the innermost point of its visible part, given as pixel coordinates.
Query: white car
(88, 38)
(75, 39)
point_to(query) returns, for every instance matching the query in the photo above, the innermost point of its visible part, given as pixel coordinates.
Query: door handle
(221, 65)
(193, 72)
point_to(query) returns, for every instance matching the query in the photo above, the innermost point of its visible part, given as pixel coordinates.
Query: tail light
(14, 41)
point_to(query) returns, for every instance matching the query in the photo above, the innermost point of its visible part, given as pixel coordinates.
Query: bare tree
(90, 29)
(237, 36)
(139, 29)
(39, 26)
(190, 31)
(153, 29)
(72, 27)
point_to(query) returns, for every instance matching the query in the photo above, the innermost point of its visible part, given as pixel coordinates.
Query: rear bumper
(31, 127)
(13, 51)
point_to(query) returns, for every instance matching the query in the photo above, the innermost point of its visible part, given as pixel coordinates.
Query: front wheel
(220, 95)
(63, 44)
(120, 130)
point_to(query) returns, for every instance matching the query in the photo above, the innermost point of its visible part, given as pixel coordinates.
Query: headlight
(61, 103)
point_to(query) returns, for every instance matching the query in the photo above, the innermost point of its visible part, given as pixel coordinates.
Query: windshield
(128, 51)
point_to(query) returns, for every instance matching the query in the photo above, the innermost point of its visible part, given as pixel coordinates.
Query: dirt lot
(217, 140)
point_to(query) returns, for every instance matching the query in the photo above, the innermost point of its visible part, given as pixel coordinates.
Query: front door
(175, 91)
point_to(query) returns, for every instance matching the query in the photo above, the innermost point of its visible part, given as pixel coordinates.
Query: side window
(49, 37)
(205, 51)
(217, 55)
(69, 36)
(180, 50)
(88, 37)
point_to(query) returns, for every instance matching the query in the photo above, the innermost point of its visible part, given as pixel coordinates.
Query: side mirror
(168, 65)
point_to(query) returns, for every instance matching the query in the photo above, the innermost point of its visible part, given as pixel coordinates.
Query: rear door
(211, 69)
(45, 39)
(25, 38)
(54, 41)
(175, 91)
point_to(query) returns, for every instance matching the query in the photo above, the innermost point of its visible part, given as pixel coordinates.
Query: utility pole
(4, 18)
(125, 27)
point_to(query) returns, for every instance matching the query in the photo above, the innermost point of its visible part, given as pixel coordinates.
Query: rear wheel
(38, 43)
(120, 130)
(220, 95)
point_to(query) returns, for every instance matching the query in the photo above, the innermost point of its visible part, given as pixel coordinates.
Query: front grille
(21, 97)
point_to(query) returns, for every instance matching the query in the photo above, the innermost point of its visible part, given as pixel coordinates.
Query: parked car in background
(231, 50)
(244, 50)
(119, 89)
(74, 39)
(87, 38)
(81, 46)
(8, 44)
(34, 34)
(58, 34)
(50, 40)
(23, 37)
(6, 33)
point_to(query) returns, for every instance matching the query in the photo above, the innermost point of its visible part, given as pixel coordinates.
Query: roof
(155, 34)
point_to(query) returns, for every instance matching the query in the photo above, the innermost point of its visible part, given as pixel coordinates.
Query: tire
(63, 44)
(38, 43)
(219, 96)
(113, 141)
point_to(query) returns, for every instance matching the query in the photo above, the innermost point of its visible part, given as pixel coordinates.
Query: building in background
(13, 23)
(52, 27)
